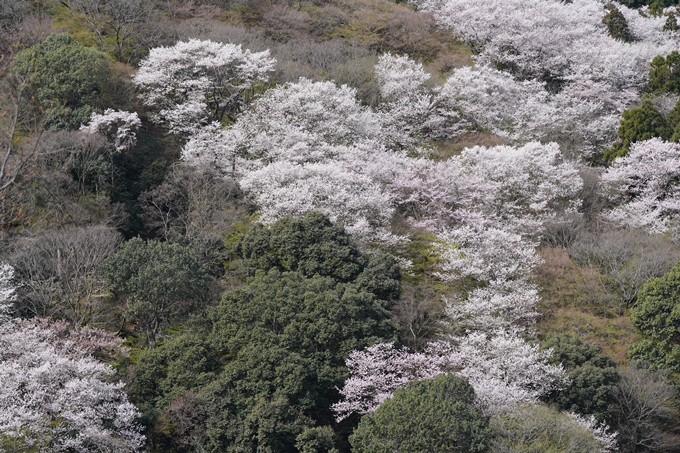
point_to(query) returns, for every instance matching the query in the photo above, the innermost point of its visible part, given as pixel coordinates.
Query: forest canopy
(332, 227)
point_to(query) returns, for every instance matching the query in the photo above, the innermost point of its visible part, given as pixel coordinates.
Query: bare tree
(647, 409)
(194, 207)
(16, 121)
(59, 272)
(626, 259)
(120, 19)
(418, 312)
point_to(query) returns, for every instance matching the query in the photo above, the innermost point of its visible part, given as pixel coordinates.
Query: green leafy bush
(591, 375)
(657, 315)
(638, 124)
(160, 282)
(65, 78)
(434, 416)
(664, 73)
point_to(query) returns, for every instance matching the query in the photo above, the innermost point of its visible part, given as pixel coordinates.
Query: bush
(161, 283)
(65, 78)
(434, 416)
(638, 124)
(591, 375)
(541, 429)
(657, 315)
(664, 73)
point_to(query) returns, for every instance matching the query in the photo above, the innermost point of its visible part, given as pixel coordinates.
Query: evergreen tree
(591, 375)
(664, 73)
(638, 124)
(657, 316)
(65, 78)
(616, 24)
(433, 416)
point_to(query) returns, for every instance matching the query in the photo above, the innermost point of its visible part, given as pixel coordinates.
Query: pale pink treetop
(645, 183)
(119, 127)
(503, 369)
(195, 82)
(55, 396)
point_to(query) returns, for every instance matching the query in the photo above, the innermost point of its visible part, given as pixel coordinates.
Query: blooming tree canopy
(504, 371)
(645, 182)
(55, 397)
(196, 82)
(117, 126)
(554, 40)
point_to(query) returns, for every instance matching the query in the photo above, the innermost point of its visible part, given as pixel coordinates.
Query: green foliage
(592, 377)
(260, 402)
(434, 416)
(316, 440)
(161, 283)
(541, 429)
(166, 372)
(638, 124)
(65, 78)
(265, 375)
(653, 4)
(664, 73)
(317, 317)
(616, 24)
(657, 315)
(671, 23)
(313, 246)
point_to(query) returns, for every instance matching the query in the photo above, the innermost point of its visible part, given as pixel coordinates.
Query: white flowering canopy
(55, 397)
(195, 82)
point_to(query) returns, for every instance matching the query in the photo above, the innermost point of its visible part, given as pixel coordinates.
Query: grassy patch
(566, 308)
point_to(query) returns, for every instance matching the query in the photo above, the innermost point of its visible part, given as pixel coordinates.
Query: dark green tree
(317, 317)
(65, 78)
(638, 124)
(260, 401)
(616, 24)
(434, 416)
(657, 316)
(316, 440)
(264, 376)
(592, 377)
(161, 283)
(310, 245)
(664, 73)
(313, 246)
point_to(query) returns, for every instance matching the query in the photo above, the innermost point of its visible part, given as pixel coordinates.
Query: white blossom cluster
(55, 397)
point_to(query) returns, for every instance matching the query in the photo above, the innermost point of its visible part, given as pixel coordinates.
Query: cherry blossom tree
(55, 397)
(527, 183)
(486, 254)
(288, 189)
(297, 122)
(288, 151)
(504, 370)
(503, 186)
(196, 82)
(556, 41)
(522, 111)
(502, 263)
(645, 183)
(119, 128)
(410, 111)
(7, 289)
